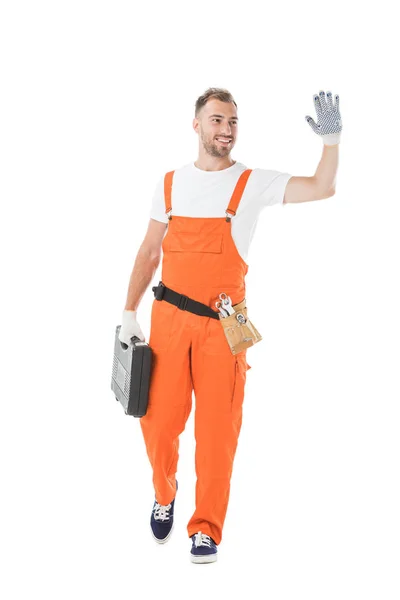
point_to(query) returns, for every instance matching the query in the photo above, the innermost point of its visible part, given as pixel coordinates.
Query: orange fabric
(167, 190)
(190, 353)
(238, 191)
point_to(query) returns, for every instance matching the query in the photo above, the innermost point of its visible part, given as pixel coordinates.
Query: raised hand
(329, 125)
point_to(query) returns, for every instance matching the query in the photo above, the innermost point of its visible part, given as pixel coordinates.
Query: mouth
(224, 141)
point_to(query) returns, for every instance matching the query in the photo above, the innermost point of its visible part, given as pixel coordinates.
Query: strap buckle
(159, 291)
(183, 300)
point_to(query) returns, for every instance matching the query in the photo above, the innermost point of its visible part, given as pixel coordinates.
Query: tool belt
(162, 292)
(239, 331)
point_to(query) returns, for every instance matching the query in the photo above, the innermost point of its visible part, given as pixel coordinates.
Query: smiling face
(217, 126)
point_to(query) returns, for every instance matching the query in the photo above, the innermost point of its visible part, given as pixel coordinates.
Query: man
(203, 217)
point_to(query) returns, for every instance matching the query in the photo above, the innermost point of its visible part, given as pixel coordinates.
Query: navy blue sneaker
(162, 520)
(204, 549)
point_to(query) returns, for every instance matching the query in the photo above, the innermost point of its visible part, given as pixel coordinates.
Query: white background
(97, 102)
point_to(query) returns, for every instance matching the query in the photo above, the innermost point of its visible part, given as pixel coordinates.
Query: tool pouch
(238, 329)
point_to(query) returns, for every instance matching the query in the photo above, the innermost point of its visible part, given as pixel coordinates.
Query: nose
(227, 131)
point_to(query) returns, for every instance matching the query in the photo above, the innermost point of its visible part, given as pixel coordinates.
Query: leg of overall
(219, 382)
(170, 396)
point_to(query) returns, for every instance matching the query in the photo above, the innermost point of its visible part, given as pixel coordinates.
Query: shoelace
(201, 539)
(161, 512)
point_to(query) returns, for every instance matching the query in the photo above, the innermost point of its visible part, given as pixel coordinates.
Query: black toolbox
(131, 373)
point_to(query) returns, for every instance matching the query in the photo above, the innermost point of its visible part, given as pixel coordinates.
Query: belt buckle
(159, 291)
(183, 300)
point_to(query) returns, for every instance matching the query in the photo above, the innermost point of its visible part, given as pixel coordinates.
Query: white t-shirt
(199, 193)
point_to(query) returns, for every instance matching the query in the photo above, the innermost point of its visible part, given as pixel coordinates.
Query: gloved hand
(129, 327)
(329, 124)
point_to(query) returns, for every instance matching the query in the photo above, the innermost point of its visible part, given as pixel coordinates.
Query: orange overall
(190, 352)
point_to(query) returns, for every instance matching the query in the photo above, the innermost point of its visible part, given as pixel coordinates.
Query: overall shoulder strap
(237, 194)
(167, 192)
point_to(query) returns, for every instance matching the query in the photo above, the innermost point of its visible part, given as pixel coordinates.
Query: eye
(232, 122)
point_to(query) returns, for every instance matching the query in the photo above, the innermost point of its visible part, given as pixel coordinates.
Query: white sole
(166, 538)
(207, 558)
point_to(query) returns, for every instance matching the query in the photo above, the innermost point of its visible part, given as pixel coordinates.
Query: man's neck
(210, 163)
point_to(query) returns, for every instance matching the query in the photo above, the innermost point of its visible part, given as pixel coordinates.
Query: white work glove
(129, 327)
(329, 124)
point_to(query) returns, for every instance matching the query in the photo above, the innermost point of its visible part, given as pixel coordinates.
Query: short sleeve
(278, 187)
(270, 186)
(157, 210)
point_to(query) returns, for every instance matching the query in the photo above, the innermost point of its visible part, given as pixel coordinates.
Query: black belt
(162, 292)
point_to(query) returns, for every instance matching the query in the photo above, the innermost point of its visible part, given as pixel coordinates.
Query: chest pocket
(183, 241)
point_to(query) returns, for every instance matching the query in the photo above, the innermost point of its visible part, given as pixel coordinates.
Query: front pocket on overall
(197, 259)
(184, 241)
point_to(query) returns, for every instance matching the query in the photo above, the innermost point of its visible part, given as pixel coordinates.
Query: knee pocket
(241, 367)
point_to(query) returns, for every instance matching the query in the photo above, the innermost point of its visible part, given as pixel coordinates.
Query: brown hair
(218, 93)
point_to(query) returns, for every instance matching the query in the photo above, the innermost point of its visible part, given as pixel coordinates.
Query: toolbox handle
(125, 347)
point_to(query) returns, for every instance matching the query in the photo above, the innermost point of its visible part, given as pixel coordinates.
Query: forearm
(326, 171)
(142, 274)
